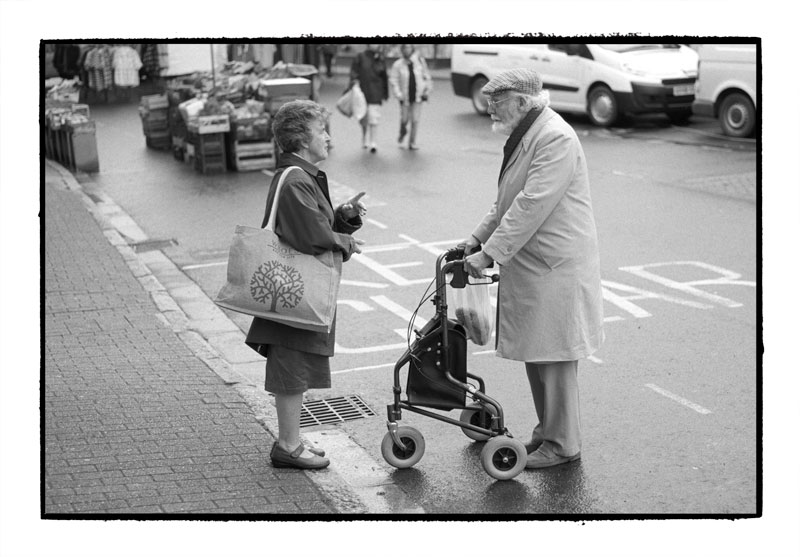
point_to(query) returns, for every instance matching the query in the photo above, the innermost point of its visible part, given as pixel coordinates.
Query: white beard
(500, 128)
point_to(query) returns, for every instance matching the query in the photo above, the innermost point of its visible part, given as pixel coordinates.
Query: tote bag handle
(271, 221)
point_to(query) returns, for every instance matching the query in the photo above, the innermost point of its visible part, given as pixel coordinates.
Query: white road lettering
(726, 277)
(386, 272)
(624, 302)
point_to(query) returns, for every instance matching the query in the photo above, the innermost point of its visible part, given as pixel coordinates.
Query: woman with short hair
(297, 359)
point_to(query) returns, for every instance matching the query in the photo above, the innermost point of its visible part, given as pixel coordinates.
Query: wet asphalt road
(669, 403)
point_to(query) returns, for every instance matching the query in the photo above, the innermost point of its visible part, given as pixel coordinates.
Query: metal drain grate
(334, 410)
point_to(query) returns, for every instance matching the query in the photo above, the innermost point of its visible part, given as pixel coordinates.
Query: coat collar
(546, 115)
(290, 159)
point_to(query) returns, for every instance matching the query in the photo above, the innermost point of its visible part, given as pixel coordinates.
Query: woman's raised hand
(354, 207)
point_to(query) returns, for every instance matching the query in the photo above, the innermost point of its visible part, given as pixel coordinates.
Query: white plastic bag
(474, 311)
(353, 104)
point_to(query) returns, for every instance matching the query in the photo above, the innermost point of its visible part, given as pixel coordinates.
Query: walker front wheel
(476, 415)
(503, 457)
(403, 457)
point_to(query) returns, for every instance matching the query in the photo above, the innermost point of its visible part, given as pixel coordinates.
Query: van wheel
(737, 115)
(603, 107)
(478, 98)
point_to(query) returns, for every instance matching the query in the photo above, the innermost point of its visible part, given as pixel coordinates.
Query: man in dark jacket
(369, 72)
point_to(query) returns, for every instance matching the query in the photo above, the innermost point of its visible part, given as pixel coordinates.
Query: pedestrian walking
(297, 359)
(541, 231)
(411, 83)
(369, 70)
(328, 54)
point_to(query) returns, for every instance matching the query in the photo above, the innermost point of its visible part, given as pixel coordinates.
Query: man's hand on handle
(476, 261)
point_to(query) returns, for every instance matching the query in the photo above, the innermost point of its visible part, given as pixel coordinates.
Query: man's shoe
(402, 135)
(283, 459)
(533, 445)
(539, 459)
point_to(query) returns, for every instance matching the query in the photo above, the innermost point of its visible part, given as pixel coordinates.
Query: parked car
(603, 81)
(726, 87)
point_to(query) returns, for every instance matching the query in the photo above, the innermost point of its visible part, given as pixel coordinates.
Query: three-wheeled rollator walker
(438, 379)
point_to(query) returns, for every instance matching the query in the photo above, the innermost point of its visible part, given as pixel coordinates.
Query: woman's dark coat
(306, 221)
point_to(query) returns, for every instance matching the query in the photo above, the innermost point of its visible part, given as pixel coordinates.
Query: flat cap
(521, 80)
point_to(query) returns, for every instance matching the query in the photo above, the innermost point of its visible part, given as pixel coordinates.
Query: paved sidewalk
(135, 421)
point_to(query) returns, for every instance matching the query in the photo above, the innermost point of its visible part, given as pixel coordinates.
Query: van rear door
(565, 70)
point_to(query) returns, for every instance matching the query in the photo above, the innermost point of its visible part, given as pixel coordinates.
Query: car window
(575, 49)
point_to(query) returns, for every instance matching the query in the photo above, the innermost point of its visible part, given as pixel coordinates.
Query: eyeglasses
(492, 104)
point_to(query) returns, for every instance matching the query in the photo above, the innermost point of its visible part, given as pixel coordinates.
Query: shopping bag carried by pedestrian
(267, 278)
(353, 103)
(473, 311)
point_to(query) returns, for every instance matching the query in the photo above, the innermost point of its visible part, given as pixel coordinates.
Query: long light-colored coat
(541, 230)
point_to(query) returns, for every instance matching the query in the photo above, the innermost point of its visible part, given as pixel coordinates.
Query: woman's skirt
(291, 372)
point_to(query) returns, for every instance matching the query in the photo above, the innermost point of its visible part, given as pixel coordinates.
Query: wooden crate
(210, 164)
(207, 144)
(203, 125)
(255, 155)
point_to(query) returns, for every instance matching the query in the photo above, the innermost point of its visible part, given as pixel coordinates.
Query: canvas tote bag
(267, 278)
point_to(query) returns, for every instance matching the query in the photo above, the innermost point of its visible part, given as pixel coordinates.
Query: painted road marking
(726, 277)
(623, 302)
(386, 272)
(364, 368)
(430, 247)
(679, 399)
(378, 224)
(357, 305)
(364, 284)
(403, 265)
(204, 265)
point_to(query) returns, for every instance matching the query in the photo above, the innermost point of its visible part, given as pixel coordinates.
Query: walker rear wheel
(410, 455)
(503, 457)
(476, 415)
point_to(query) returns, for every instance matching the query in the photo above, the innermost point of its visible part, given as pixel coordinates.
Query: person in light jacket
(411, 83)
(297, 359)
(541, 231)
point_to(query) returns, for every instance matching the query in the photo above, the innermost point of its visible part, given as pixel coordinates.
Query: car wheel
(603, 108)
(737, 115)
(478, 98)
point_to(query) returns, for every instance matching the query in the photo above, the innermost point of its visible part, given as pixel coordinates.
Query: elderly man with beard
(541, 231)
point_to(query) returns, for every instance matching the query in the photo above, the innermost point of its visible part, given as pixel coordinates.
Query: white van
(603, 81)
(726, 86)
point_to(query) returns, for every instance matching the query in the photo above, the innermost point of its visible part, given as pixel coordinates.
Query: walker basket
(427, 384)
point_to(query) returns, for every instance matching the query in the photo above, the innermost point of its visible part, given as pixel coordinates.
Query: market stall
(221, 120)
(69, 131)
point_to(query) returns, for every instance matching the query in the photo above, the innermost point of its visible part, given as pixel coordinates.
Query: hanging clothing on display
(151, 60)
(66, 60)
(126, 64)
(99, 68)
